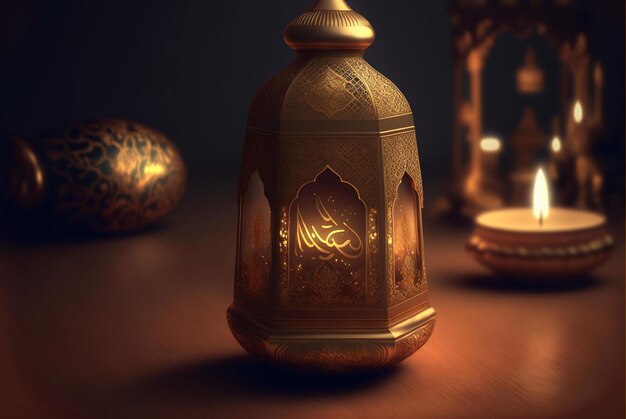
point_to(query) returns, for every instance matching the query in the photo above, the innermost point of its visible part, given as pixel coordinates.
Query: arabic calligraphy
(330, 239)
(327, 266)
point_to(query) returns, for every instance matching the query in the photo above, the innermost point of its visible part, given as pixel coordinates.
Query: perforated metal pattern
(346, 98)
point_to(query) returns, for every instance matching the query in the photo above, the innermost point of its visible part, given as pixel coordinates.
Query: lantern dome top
(343, 89)
(330, 25)
(329, 87)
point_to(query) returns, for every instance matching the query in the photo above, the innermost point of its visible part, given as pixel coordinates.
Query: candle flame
(578, 112)
(490, 144)
(541, 198)
(556, 144)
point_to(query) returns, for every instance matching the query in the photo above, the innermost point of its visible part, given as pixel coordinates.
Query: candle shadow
(487, 282)
(244, 376)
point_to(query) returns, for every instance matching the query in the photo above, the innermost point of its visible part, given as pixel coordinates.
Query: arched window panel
(256, 252)
(327, 252)
(406, 237)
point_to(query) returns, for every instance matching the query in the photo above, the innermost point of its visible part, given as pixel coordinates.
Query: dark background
(134, 326)
(190, 69)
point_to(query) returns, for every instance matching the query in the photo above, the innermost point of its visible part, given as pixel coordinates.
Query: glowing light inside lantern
(333, 237)
(541, 198)
(328, 220)
(490, 144)
(578, 112)
(255, 255)
(556, 144)
(407, 258)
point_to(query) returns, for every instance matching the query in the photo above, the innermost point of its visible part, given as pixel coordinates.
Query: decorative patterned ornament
(102, 175)
(330, 267)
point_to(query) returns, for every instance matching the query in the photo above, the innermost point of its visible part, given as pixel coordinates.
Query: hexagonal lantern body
(330, 262)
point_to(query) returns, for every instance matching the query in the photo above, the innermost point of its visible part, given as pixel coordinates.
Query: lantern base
(333, 350)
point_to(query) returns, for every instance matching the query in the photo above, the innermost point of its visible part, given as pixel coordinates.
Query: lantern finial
(330, 25)
(331, 5)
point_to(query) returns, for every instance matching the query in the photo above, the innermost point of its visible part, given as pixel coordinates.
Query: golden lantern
(330, 264)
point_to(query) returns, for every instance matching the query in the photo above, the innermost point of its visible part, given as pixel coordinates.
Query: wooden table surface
(135, 327)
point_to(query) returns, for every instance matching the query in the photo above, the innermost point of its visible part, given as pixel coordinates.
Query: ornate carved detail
(331, 286)
(303, 158)
(394, 148)
(308, 89)
(392, 296)
(254, 279)
(328, 247)
(112, 175)
(542, 250)
(407, 244)
(328, 283)
(333, 355)
(268, 103)
(255, 243)
(259, 153)
(411, 343)
(366, 183)
(329, 94)
(343, 352)
(328, 18)
(423, 278)
(407, 288)
(408, 271)
(388, 99)
(283, 258)
(372, 239)
(333, 112)
(329, 26)
(325, 74)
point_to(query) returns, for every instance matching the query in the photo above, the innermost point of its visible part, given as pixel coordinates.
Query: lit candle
(578, 112)
(578, 130)
(491, 148)
(540, 242)
(557, 158)
(556, 145)
(490, 144)
(557, 153)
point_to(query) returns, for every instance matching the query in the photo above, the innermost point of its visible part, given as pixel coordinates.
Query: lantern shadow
(487, 282)
(246, 376)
